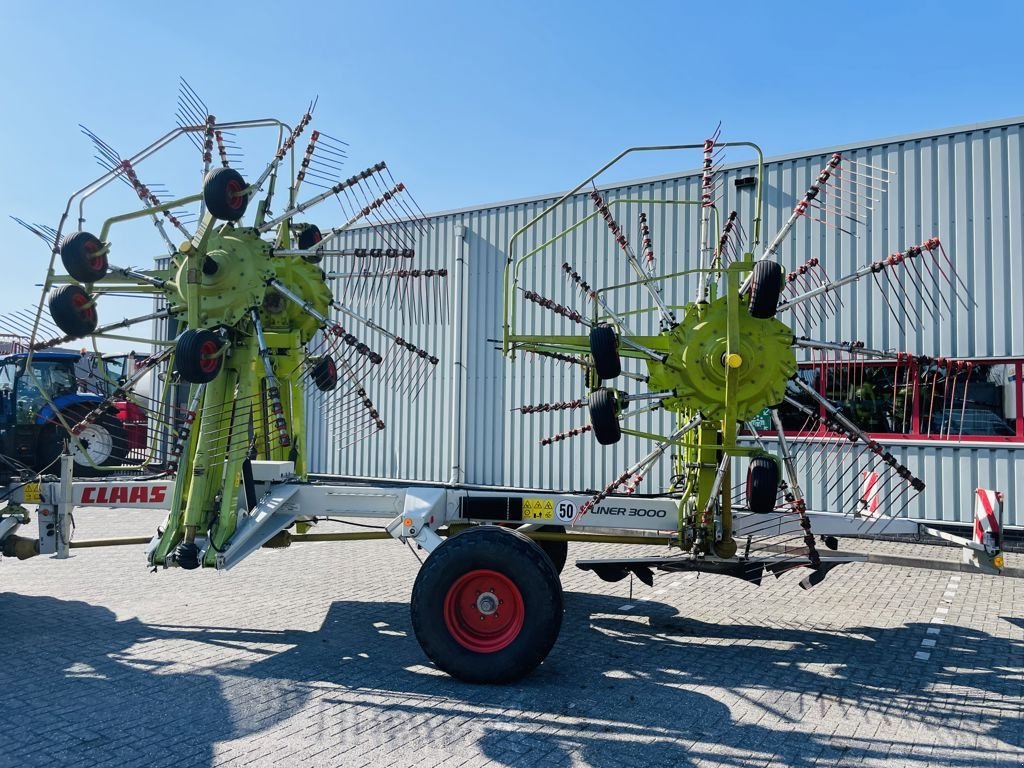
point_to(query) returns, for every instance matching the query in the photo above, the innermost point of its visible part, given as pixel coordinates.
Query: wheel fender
(63, 402)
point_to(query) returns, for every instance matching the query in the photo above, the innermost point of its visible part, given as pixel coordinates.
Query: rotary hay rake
(265, 343)
(262, 334)
(714, 376)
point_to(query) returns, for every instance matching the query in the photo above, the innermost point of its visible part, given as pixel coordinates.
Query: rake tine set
(109, 159)
(322, 161)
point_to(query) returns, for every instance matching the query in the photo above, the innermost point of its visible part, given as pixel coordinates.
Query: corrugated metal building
(963, 185)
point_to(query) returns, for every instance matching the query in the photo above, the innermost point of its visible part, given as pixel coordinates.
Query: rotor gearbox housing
(699, 359)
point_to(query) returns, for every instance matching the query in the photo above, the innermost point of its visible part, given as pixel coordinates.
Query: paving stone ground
(306, 657)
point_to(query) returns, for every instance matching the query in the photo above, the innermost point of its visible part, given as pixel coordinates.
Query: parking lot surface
(306, 656)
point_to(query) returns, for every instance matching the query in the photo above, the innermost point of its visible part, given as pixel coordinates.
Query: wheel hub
(487, 604)
(698, 361)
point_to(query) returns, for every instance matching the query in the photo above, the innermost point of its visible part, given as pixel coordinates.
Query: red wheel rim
(484, 611)
(79, 302)
(98, 263)
(235, 196)
(209, 359)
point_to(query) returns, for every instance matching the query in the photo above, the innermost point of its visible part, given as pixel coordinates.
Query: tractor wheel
(604, 348)
(762, 484)
(766, 281)
(557, 551)
(309, 237)
(325, 374)
(224, 194)
(487, 605)
(102, 443)
(72, 309)
(604, 417)
(82, 257)
(197, 355)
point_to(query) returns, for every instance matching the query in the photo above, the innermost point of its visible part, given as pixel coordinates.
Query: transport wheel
(73, 311)
(487, 605)
(325, 374)
(223, 193)
(604, 348)
(604, 417)
(762, 484)
(82, 257)
(766, 281)
(101, 443)
(197, 355)
(309, 237)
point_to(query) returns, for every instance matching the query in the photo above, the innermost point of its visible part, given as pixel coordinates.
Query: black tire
(446, 606)
(766, 281)
(223, 194)
(80, 253)
(103, 440)
(309, 237)
(72, 309)
(604, 348)
(762, 484)
(557, 551)
(197, 355)
(325, 374)
(604, 417)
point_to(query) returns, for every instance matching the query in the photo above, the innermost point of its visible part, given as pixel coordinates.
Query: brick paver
(306, 657)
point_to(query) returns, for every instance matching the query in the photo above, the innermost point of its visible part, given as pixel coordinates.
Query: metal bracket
(424, 508)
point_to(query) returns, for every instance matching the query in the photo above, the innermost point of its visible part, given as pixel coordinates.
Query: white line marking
(933, 630)
(626, 607)
(928, 643)
(922, 655)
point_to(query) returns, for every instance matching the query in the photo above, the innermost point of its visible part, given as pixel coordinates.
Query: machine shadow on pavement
(619, 686)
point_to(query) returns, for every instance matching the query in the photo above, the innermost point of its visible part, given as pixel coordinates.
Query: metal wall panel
(962, 185)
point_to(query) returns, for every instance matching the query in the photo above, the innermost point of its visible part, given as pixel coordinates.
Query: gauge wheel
(604, 416)
(325, 374)
(224, 194)
(73, 310)
(309, 237)
(762, 484)
(197, 355)
(766, 281)
(83, 257)
(604, 349)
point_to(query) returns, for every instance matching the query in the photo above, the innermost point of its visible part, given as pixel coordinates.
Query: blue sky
(475, 102)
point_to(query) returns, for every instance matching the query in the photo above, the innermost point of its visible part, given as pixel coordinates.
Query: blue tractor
(33, 391)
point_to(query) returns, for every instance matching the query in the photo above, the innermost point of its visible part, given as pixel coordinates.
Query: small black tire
(73, 310)
(309, 237)
(83, 257)
(762, 484)
(604, 416)
(325, 374)
(766, 282)
(487, 605)
(197, 355)
(557, 551)
(104, 441)
(604, 349)
(224, 194)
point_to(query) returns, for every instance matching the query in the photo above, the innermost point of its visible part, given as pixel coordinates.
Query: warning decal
(538, 509)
